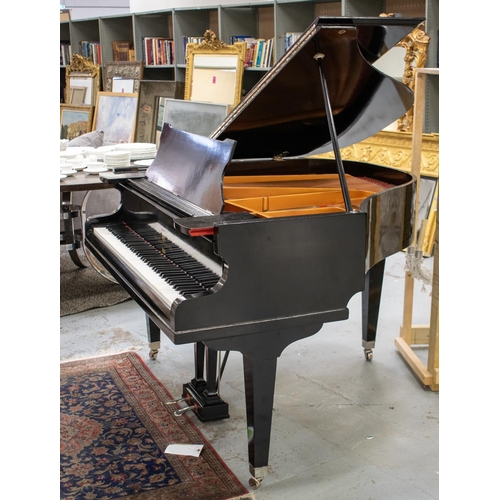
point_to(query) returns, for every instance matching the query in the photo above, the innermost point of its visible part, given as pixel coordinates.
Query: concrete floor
(343, 427)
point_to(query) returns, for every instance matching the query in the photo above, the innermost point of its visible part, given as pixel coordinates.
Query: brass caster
(368, 354)
(255, 482)
(153, 353)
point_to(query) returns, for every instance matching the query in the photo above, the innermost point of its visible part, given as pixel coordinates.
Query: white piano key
(163, 289)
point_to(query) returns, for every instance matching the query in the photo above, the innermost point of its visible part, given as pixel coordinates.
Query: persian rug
(115, 428)
(82, 289)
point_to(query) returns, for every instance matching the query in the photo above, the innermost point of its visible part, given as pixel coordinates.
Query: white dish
(67, 173)
(81, 167)
(95, 170)
(143, 163)
(63, 176)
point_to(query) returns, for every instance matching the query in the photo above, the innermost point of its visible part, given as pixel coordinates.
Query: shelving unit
(266, 20)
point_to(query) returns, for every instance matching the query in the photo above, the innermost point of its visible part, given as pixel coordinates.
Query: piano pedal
(181, 411)
(206, 406)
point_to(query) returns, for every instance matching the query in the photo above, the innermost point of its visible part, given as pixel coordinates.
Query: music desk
(71, 237)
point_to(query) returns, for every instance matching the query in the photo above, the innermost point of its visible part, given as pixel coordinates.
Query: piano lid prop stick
(333, 135)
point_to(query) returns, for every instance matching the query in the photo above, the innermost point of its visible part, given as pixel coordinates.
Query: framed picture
(75, 121)
(115, 115)
(125, 70)
(150, 108)
(214, 71)
(82, 81)
(77, 95)
(200, 118)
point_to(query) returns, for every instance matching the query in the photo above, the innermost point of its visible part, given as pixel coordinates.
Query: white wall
(148, 5)
(83, 9)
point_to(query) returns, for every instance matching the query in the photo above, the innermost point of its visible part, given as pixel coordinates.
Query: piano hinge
(280, 156)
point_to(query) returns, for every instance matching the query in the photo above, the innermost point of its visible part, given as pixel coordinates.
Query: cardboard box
(65, 15)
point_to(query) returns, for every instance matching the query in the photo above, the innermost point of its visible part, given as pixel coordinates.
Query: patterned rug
(115, 428)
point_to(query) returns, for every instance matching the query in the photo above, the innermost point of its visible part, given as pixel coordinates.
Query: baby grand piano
(241, 242)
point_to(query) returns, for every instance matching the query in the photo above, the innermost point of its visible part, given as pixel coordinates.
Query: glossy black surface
(285, 111)
(191, 166)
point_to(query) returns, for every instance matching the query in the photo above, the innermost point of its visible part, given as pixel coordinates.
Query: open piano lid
(284, 113)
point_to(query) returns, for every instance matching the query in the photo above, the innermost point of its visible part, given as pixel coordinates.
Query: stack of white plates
(138, 150)
(100, 151)
(117, 158)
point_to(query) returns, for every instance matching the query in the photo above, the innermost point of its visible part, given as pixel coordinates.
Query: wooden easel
(411, 335)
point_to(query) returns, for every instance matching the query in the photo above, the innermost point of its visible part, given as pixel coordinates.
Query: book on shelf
(122, 51)
(158, 51)
(65, 54)
(91, 50)
(290, 38)
(191, 39)
(259, 52)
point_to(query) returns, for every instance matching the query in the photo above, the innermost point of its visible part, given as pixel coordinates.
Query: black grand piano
(244, 242)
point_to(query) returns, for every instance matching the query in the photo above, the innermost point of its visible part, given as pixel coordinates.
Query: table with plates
(71, 237)
(83, 178)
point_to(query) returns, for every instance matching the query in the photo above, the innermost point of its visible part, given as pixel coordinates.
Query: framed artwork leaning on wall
(115, 114)
(75, 121)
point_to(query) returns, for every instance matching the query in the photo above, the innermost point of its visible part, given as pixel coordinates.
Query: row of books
(291, 38)
(158, 51)
(191, 39)
(123, 51)
(65, 54)
(91, 50)
(259, 51)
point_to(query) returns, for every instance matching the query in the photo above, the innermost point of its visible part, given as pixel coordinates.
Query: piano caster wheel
(153, 353)
(255, 482)
(368, 354)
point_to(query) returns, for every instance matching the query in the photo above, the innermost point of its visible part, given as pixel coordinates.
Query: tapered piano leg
(371, 306)
(154, 337)
(260, 377)
(259, 367)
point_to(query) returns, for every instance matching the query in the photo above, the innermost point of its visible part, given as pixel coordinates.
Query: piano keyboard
(171, 271)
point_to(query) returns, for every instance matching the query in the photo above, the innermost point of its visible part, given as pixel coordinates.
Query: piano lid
(284, 113)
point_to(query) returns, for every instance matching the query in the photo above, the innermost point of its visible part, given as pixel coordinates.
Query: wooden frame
(77, 96)
(214, 71)
(148, 109)
(75, 121)
(127, 70)
(410, 334)
(115, 114)
(83, 73)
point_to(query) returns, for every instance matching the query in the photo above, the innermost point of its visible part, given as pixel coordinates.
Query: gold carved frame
(214, 71)
(415, 45)
(82, 68)
(394, 149)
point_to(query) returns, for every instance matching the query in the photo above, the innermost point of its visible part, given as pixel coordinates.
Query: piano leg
(371, 306)
(154, 337)
(259, 367)
(260, 378)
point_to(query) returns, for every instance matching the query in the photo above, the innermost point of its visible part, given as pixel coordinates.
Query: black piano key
(183, 272)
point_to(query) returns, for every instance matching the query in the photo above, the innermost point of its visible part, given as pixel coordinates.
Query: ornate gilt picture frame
(214, 71)
(394, 149)
(126, 70)
(82, 73)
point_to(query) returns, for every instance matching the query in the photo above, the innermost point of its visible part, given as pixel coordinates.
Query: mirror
(82, 81)
(214, 71)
